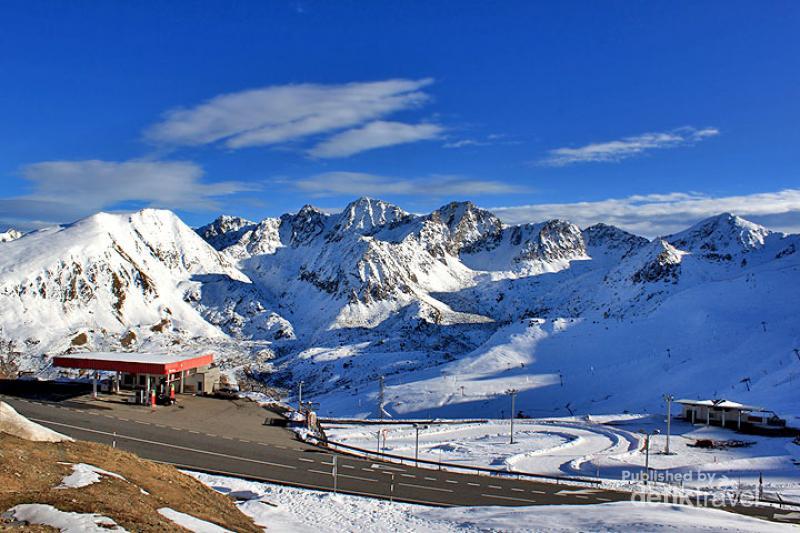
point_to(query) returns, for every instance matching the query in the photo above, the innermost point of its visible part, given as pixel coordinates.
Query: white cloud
(661, 214)
(376, 134)
(283, 113)
(489, 140)
(66, 190)
(612, 151)
(356, 183)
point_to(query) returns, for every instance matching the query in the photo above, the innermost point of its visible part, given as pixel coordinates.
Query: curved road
(231, 438)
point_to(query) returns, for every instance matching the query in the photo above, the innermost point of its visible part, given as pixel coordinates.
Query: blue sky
(647, 115)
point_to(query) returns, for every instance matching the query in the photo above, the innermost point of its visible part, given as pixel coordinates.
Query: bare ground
(30, 471)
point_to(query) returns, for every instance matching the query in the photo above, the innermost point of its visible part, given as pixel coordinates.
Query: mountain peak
(365, 215)
(10, 235)
(720, 237)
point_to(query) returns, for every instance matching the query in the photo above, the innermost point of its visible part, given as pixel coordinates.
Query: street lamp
(300, 394)
(647, 452)
(669, 399)
(513, 394)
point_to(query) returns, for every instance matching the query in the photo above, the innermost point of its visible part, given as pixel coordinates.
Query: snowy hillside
(453, 307)
(10, 235)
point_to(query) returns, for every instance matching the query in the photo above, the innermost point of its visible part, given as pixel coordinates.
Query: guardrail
(392, 421)
(450, 467)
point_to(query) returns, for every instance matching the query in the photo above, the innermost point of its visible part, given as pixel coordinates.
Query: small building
(147, 371)
(727, 413)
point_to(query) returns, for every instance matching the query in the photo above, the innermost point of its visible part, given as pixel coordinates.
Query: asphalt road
(271, 454)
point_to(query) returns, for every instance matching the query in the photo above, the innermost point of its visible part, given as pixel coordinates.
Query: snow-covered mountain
(453, 306)
(10, 235)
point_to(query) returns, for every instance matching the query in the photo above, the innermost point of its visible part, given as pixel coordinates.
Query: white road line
(308, 485)
(424, 487)
(409, 475)
(538, 492)
(495, 487)
(306, 460)
(517, 490)
(165, 444)
(356, 477)
(508, 498)
(430, 478)
(351, 467)
(473, 484)
(451, 481)
(148, 423)
(581, 497)
(319, 472)
(603, 499)
(367, 470)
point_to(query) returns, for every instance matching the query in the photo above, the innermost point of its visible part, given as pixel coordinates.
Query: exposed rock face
(373, 271)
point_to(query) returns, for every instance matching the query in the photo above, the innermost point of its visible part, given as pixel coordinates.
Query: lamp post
(669, 399)
(300, 394)
(513, 394)
(647, 436)
(416, 443)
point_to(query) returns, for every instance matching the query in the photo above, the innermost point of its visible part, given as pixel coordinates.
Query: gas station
(151, 376)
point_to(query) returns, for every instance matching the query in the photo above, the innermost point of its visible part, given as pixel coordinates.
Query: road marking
(193, 431)
(424, 487)
(451, 481)
(306, 460)
(508, 498)
(495, 487)
(305, 485)
(604, 499)
(356, 477)
(240, 440)
(409, 475)
(148, 423)
(430, 478)
(319, 472)
(538, 492)
(351, 467)
(165, 444)
(579, 491)
(581, 497)
(367, 470)
(473, 484)
(517, 490)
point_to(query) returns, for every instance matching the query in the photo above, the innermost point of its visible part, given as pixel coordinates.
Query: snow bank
(15, 424)
(619, 516)
(84, 475)
(290, 509)
(47, 515)
(191, 523)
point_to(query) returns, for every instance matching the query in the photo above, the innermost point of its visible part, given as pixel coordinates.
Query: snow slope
(451, 306)
(287, 509)
(17, 425)
(10, 235)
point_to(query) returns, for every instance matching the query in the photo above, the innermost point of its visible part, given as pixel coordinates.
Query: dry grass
(30, 471)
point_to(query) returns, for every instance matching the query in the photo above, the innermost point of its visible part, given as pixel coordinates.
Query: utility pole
(647, 436)
(669, 399)
(335, 473)
(417, 427)
(381, 397)
(300, 394)
(513, 393)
